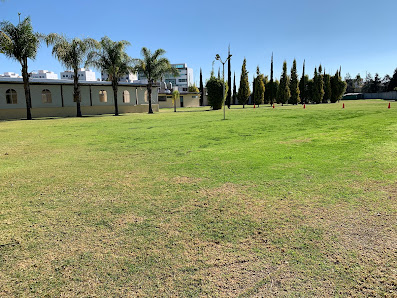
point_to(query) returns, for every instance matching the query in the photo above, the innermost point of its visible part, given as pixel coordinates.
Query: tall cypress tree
(318, 86)
(253, 89)
(293, 85)
(234, 90)
(229, 81)
(272, 89)
(244, 88)
(327, 88)
(283, 92)
(302, 85)
(201, 88)
(259, 91)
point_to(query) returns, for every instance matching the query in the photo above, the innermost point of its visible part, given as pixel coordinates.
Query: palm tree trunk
(28, 99)
(76, 92)
(115, 87)
(149, 91)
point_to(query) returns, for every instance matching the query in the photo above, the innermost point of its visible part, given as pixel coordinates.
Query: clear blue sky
(358, 35)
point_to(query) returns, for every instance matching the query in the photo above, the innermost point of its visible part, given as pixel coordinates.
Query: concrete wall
(71, 111)
(381, 95)
(62, 104)
(188, 101)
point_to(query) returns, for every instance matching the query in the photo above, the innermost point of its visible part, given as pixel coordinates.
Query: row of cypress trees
(322, 88)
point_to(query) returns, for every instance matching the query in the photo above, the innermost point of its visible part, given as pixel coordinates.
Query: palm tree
(21, 43)
(113, 59)
(175, 96)
(72, 53)
(153, 66)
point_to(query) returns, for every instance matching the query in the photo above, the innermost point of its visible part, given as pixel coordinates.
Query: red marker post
(273, 106)
(343, 106)
(304, 106)
(389, 106)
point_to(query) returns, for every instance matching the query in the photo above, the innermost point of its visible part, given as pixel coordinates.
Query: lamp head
(217, 57)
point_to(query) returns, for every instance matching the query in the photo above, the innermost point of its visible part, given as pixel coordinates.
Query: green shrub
(215, 93)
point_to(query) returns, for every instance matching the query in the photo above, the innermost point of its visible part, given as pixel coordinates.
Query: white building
(44, 74)
(84, 74)
(54, 98)
(183, 81)
(10, 75)
(128, 78)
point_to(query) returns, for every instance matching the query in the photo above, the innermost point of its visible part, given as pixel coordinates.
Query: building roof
(34, 81)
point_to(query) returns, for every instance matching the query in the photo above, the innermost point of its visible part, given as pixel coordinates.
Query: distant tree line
(371, 84)
(289, 89)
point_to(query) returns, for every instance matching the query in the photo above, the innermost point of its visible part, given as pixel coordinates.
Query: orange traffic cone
(304, 106)
(343, 106)
(273, 106)
(389, 106)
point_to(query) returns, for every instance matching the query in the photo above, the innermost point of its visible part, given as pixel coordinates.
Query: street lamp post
(217, 57)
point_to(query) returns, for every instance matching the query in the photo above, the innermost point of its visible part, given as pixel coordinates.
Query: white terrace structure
(128, 77)
(182, 81)
(84, 74)
(10, 75)
(54, 98)
(44, 74)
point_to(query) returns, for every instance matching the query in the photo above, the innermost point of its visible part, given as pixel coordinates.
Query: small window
(103, 96)
(46, 96)
(194, 96)
(126, 96)
(162, 98)
(11, 96)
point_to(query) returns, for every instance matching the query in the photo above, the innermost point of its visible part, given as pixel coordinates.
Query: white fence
(381, 95)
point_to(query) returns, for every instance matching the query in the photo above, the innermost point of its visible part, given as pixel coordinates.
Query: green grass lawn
(281, 201)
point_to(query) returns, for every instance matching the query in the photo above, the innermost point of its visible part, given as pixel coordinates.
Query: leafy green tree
(393, 82)
(154, 66)
(275, 86)
(318, 87)
(294, 85)
(350, 83)
(266, 97)
(376, 84)
(368, 83)
(201, 88)
(193, 88)
(112, 58)
(283, 92)
(327, 88)
(21, 43)
(259, 93)
(215, 92)
(244, 89)
(338, 87)
(73, 54)
(175, 97)
(303, 84)
(310, 89)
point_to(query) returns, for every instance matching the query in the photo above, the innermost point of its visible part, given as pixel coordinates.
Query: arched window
(46, 96)
(103, 96)
(126, 96)
(11, 96)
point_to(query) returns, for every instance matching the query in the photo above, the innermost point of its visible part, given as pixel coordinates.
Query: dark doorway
(181, 98)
